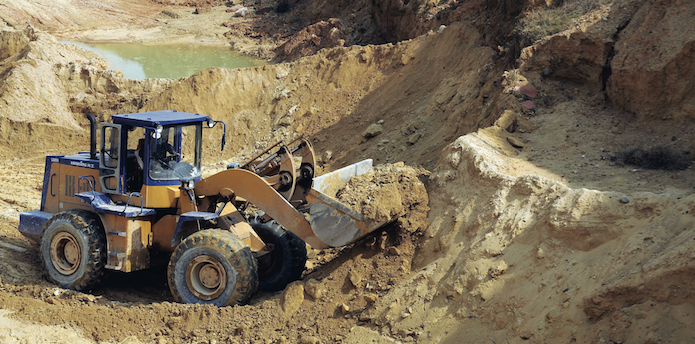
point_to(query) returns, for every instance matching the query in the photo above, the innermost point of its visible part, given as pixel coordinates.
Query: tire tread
(293, 260)
(89, 225)
(233, 249)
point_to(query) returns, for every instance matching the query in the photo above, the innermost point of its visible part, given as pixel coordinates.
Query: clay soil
(510, 121)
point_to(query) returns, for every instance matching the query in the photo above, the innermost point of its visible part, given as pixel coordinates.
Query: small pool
(140, 61)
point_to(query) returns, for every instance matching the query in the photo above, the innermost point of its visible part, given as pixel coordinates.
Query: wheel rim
(65, 253)
(206, 277)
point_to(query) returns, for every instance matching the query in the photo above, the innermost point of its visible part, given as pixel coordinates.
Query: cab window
(175, 154)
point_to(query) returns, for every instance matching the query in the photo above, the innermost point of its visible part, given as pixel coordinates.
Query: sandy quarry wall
(642, 60)
(263, 105)
(47, 87)
(412, 87)
(337, 92)
(448, 85)
(511, 254)
(653, 70)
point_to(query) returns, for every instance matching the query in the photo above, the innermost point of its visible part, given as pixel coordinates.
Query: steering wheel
(172, 157)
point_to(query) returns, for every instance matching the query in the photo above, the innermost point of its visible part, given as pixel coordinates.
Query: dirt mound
(580, 53)
(60, 17)
(391, 191)
(504, 244)
(266, 104)
(324, 34)
(14, 331)
(290, 24)
(423, 80)
(47, 87)
(77, 82)
(429, 98)
(330, 300)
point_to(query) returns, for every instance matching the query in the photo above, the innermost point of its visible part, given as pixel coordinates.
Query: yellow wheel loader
(140, 200)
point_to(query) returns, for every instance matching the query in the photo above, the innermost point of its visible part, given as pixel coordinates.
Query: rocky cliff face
(638, 52)
(653, 67)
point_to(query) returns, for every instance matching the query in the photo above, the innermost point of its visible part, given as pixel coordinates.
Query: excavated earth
(500, 136)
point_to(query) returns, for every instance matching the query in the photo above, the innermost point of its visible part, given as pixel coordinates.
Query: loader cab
(151, 153)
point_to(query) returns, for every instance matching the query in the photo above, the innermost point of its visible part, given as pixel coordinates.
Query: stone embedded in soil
(292, 297)
(516, 143)
(528, 105)
(234, 8)
(370, 297)
(624, 199)
(508, 121)
(310, 340)
(355, 278)
(394, 251)
(171, 14)
(242, 12)
(373, 130)
(315, 288)
(498, 270)
(389, 192)
(526, 90)
(412, 139)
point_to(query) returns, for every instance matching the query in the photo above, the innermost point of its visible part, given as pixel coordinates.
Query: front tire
(286, 261)
(212, 267)
(73, 249)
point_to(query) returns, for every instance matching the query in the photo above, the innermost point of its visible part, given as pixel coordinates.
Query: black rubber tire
(287, 260)
(80, 228)
(228, 255)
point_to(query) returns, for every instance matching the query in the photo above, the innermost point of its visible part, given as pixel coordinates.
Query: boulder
(373, 130)
(292, 298)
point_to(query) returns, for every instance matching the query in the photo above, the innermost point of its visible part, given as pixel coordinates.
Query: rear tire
(287, 259)
(73, 249)
(212, 267)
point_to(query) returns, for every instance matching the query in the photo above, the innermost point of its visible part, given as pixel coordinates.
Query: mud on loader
(140, 199)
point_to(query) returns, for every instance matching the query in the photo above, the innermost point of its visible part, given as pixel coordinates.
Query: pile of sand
(512, 254)
(388, 192)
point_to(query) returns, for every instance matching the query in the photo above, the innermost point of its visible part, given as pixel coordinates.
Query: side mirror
(224, 134)
(211, 123)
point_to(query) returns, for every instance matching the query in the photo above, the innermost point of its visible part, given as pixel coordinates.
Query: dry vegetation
(550, 17)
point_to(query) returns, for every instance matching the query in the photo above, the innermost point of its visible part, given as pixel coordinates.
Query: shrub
(657, 158)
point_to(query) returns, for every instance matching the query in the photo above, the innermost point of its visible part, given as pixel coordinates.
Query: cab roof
(154, 118)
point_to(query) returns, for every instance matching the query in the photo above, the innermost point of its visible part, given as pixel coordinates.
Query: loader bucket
(331, 221)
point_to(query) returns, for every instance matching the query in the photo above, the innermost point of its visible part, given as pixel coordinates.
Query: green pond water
(140, 61)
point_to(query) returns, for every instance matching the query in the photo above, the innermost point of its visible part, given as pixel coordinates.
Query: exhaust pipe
(92, 137)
